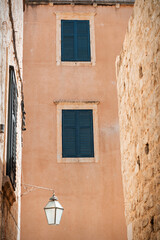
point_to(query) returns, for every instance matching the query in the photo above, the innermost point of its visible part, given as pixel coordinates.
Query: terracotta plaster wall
(91, 193)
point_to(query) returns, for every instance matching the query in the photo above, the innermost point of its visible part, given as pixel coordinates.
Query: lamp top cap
(53, 198)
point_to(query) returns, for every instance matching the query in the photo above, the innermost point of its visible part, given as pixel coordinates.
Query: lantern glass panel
(50, 214)
(58, 215)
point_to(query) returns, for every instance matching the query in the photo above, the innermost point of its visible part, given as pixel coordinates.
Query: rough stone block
(139, 107)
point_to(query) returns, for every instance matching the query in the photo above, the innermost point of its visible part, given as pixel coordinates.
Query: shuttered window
(12, 125)
(75, 40)
(77, 133)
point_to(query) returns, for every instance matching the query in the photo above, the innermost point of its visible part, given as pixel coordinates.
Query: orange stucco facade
(90, 192)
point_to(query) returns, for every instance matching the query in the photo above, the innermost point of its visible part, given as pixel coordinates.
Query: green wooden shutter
(68, 133)
(85, 122)
(77, 133)
(67, 40)
(12, 128)
(75, 40)
(83, 40)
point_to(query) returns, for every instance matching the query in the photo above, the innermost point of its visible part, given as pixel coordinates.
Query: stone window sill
(74, 64)
(77, 160)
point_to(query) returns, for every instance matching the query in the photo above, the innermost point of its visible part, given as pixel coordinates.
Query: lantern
(53, 211)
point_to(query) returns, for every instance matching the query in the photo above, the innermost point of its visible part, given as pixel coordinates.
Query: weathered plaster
(93, 189)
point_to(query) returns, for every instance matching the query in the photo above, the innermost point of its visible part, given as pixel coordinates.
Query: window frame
(77, 106)
(75, 16)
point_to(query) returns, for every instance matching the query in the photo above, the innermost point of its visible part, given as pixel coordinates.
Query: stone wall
(138, 82)
(11, 43)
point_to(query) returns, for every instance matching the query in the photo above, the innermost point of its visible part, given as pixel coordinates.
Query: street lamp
(53, 211)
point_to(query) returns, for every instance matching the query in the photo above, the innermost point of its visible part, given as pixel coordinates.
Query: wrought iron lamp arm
(33, 187)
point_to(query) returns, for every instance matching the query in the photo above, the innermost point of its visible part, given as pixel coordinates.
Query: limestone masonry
(11, 50)
(138, 82)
